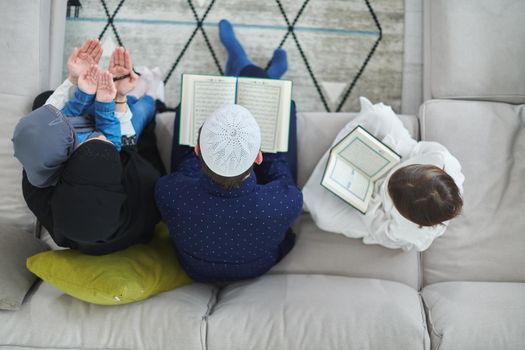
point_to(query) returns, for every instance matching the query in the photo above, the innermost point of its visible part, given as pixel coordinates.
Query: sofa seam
(423, 317)
(203, 331)
(430, 323)
(427, 51)
(422, 121)
(419, 271)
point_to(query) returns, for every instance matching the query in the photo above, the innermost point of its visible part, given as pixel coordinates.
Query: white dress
(382, 224)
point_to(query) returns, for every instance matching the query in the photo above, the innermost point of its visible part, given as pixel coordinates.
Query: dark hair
(222, 181)
(425, 194)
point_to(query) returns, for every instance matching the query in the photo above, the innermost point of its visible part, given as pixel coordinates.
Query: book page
(347, 183)
(269, 101)
(366, 154)
(354, 164)
(350, 179)
(363, 157)
(201, 96)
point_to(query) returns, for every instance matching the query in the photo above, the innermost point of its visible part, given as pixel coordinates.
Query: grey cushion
(318, 252)
(50, 319)
(486, 243)
(476, 315)
(473, 49)
(13, 209)
(164, 133)
(317, 312)
(15, 279)
(316, 132)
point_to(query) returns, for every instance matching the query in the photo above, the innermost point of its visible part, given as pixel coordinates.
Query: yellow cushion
(133, 274)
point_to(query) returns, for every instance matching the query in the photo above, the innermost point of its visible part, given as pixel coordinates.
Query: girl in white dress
(410, 206)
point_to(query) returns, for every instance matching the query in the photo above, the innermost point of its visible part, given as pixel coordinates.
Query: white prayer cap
(230, 140)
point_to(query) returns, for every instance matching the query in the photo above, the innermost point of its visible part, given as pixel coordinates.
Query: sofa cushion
(15, 279)
(476, 315)
(164, 133)
(473, 49)
(319, 252)
(486, 242)
(13, 209)
(50, 319)
(317, 312)
(316, 132)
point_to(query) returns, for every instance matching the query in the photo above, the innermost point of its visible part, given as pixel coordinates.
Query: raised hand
(81, 59)
(120, 65)
(87, 81)
(106, 90)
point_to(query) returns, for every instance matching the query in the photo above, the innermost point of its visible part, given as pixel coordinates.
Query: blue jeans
(143, 110)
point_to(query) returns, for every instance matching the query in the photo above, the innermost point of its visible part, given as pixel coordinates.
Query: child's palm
(106, 90)
(83, 58)
(87, 81)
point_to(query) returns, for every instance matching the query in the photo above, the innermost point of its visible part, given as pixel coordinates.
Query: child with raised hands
(44, 139)
(133, 112)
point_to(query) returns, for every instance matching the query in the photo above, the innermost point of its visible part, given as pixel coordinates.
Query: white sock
(160, 87)
(139, 90)
(153, 78)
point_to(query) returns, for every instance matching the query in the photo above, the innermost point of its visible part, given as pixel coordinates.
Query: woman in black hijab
(103, 201)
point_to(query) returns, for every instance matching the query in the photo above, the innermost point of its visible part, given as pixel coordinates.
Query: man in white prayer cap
(228, 206)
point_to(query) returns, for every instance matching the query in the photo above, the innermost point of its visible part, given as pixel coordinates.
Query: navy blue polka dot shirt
(227, 235)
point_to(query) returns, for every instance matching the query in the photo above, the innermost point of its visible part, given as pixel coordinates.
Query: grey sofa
(331, 292)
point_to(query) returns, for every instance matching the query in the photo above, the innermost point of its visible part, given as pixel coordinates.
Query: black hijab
(89, 198)
(104, 200)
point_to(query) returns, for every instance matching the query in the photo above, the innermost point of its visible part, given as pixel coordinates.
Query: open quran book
(269, 101)
(354, 164)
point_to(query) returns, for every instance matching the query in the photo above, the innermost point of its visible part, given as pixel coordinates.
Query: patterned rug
(337, 50)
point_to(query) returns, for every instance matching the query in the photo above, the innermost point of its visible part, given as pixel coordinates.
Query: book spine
(236, 88)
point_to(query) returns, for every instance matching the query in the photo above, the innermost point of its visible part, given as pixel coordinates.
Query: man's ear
(259, 158)
(197, 149)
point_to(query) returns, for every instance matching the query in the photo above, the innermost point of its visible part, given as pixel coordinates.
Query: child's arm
(124, 116)
(429, 152)
(274, 167)
(105, 118)
(84, 95)
(61, 95)
(120, 65)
